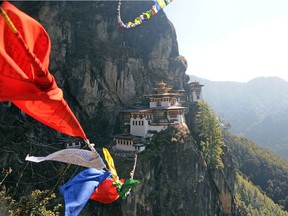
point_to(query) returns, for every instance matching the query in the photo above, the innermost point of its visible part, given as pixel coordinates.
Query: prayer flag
(78, 157)
(78, 190)
(24, 76)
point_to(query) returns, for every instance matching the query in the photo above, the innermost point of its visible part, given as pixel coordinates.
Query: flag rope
(8, 21)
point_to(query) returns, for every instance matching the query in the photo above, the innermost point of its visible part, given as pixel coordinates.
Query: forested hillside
(262, 166)
(252, 201)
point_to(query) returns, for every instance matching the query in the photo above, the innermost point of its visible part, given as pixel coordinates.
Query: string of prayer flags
(158, 6)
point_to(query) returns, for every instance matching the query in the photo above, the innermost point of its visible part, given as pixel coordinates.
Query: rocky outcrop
(175, 181)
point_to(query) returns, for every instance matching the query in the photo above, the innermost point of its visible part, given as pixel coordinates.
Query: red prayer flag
(106, 192)
(24, 76)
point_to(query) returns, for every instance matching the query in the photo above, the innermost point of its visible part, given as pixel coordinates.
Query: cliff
(103, 69)
(175, 180)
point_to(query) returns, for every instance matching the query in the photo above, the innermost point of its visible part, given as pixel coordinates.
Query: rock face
(177, 182)
(103, 69)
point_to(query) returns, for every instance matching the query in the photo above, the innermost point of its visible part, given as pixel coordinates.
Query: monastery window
(139, 123)
(172, 102)
(142, 122)
(158, 103)
(173, 114)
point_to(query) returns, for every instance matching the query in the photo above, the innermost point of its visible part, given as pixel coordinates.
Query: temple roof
(154, 109)
(125, 136)
(162, 94)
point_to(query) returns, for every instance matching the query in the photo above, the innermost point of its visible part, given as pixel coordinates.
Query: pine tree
(210, 134)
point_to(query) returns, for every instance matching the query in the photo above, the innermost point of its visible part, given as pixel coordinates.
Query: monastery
(165, 109)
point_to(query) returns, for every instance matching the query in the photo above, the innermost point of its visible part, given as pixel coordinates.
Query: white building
(129, 143)
(195, 91)
(164, 111)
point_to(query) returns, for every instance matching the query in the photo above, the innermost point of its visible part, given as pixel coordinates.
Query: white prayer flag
(79, 157)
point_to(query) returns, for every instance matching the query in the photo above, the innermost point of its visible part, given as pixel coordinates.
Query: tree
(210, 135)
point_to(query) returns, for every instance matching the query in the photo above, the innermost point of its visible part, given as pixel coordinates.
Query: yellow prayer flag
(110, 163)
(161, 3)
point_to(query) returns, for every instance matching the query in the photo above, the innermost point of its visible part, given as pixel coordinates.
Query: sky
(232, 40)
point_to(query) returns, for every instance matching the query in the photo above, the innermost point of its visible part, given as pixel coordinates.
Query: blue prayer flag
(78, 190)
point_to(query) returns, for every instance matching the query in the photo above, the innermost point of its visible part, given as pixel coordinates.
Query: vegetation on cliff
(210, 135)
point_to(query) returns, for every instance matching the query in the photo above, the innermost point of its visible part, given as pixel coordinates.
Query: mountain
(257, 109)
(103, 69)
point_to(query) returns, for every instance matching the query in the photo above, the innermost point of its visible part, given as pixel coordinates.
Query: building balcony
(161, 122)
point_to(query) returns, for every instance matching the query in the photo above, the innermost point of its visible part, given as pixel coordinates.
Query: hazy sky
(235, 40)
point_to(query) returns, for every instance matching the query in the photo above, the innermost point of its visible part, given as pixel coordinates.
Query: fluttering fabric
(78, 157)
(109, 191)
(158, 5)
(120, 186)
(110, 163)
(112, 188)
(24, 76)
(78, 190)
(106, 192)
